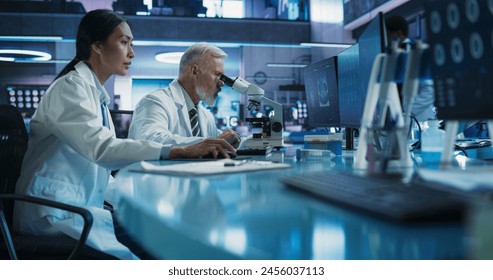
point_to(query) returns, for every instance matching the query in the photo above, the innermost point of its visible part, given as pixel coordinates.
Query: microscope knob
(277, 127)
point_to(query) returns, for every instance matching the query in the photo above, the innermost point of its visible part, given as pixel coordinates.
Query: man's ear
(194, 69)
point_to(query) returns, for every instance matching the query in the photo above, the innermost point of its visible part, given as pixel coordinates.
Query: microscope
(271, 126)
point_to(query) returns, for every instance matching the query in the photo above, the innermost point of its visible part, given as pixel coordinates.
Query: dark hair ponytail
(95, 26)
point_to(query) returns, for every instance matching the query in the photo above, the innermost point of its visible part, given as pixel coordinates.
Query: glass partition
(293, 10)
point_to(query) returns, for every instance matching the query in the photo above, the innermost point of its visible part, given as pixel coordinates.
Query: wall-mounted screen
(25, 97)
(460, 40)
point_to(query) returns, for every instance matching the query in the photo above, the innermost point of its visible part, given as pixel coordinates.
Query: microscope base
(261, 142)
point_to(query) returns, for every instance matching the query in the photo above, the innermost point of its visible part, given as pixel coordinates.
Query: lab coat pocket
(58, 191)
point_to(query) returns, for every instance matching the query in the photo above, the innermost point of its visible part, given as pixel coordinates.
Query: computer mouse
(220, 156)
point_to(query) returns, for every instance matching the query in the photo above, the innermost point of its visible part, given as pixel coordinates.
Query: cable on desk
(461, 149)
(417, 144)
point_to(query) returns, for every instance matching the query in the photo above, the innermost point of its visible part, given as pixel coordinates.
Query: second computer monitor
(351, 94)
(355, 65)
(372, 42)
(321, 93)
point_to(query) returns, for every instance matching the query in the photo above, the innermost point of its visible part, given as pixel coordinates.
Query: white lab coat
(69, 159)
(423, 104)
(423, 107)
(162, 116)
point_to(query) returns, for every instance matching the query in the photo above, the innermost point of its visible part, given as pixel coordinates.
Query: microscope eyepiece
(227, 80)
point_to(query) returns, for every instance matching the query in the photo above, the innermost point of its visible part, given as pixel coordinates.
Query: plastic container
(432, 143)
(312, 154)
(332, 142)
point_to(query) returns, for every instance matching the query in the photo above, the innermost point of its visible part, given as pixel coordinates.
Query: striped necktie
(194, 121)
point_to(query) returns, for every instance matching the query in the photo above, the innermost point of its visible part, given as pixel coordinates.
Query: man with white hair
(173, 115)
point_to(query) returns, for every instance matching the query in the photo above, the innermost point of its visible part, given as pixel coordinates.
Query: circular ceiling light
(169, 57)
(23, 55)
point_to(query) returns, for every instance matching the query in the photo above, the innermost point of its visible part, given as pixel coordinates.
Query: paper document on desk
(210, 167)
(472, 178)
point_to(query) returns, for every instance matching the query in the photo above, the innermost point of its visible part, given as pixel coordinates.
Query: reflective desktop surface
(253, 216)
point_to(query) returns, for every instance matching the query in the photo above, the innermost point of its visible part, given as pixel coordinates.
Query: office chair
(13, 145)
(121, 121)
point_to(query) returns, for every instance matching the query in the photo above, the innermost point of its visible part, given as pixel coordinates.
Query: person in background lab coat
(163, 116)
(73, 148)
(423, 104)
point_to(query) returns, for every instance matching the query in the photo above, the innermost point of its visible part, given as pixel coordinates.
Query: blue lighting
(32, 38)
(23, 55)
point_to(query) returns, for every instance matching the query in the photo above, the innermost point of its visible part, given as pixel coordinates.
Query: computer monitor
(372, 42)
(461, 55)
(322, 96)
(351, 94)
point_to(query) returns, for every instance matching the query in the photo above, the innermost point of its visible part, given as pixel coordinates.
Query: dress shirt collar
(188, 100)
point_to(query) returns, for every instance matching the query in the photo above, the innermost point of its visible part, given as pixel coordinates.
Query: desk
(253, 216)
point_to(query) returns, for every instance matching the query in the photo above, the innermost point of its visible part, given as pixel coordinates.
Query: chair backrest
(13, 146)
(121, 121)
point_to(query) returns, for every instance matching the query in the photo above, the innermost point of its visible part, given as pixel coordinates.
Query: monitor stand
(383, 94)
(349, 138)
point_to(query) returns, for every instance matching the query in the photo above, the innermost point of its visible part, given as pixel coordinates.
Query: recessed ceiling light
(23, 55)
(32, 38)
(169, 57)
(326, 45)
(286, 65)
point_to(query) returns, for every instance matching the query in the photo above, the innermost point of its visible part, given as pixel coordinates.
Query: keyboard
(252, 151)
(389, 198)
(473, 144)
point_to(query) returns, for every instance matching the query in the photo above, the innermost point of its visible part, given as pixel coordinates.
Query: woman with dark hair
(73, 148)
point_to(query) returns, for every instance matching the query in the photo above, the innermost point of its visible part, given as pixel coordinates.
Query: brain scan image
(323, 91)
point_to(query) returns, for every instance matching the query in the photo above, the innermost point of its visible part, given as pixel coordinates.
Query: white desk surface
(253, 215)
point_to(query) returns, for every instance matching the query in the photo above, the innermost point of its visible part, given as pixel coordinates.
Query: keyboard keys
(261, 150)
(389, 198)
